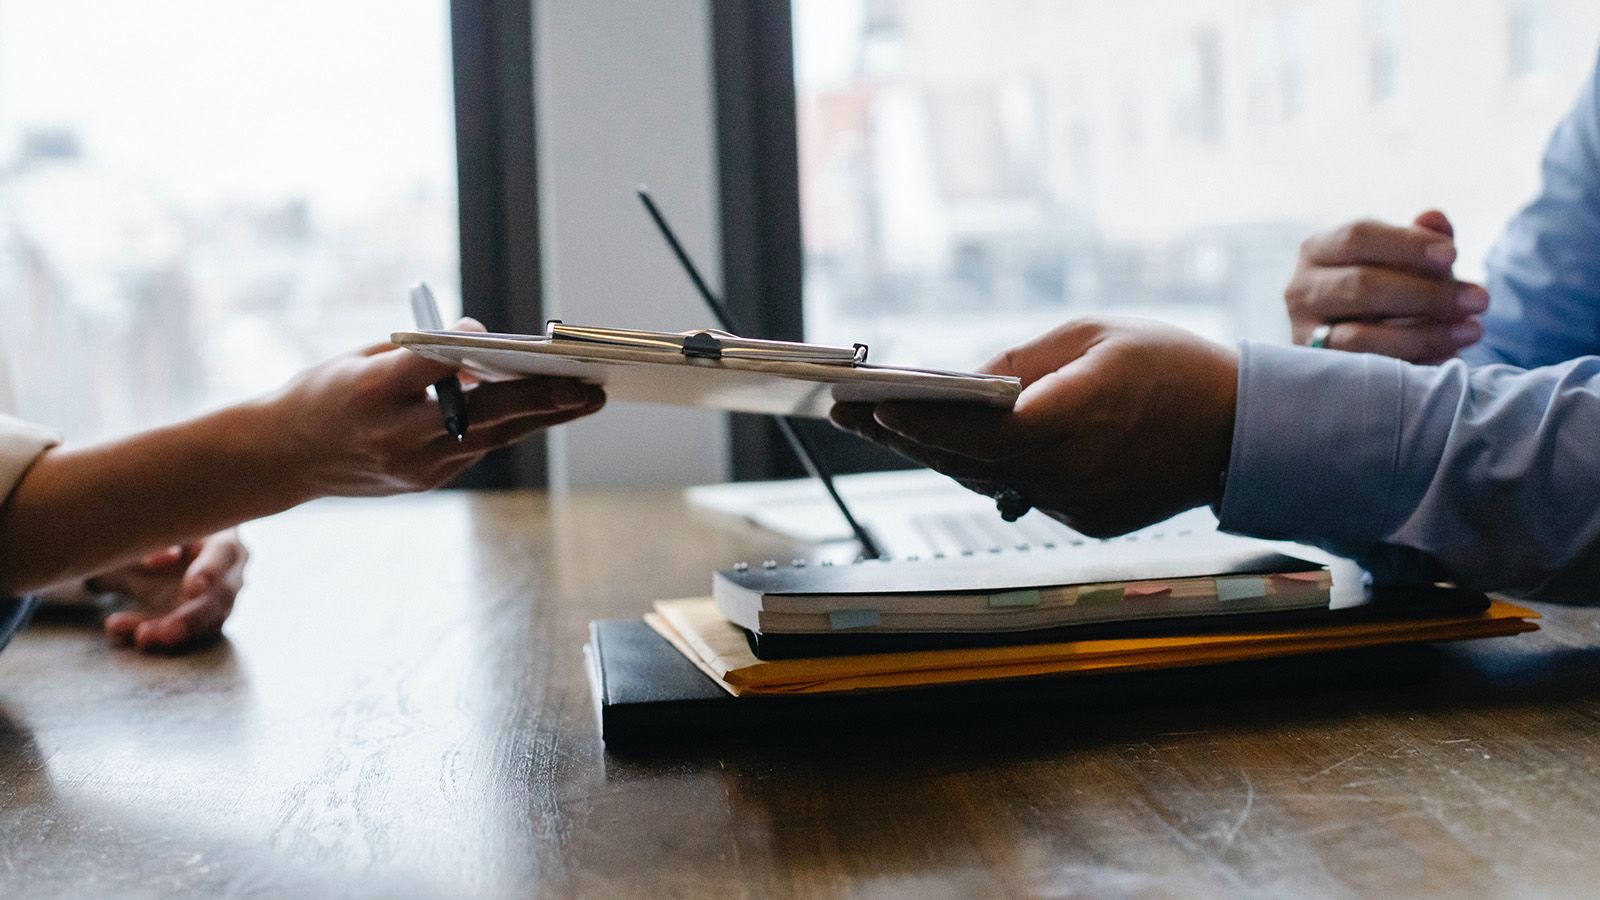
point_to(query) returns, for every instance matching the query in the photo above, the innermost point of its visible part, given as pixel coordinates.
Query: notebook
(1378, 604)
(776, 377)
(719, 649)
(1022, 589)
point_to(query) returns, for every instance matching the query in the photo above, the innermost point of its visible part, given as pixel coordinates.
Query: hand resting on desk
(178, 597)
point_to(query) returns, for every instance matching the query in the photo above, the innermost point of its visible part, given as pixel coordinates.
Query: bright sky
(827, 37)
(333, 100)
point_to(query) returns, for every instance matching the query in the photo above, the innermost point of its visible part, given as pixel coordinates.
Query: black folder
(648, 696)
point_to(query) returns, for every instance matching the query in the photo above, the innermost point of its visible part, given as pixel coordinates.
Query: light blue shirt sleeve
(1544, 272)
(1488, 477)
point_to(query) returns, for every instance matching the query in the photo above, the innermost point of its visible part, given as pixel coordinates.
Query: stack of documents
(968, 597)
(722, 651)
(1102, 607)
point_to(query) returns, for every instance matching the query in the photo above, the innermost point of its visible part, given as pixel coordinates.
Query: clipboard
(707, 368)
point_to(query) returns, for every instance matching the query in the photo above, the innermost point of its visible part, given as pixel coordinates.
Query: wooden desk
(391, 716)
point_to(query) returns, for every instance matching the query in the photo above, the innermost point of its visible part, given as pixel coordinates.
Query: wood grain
(399, 709)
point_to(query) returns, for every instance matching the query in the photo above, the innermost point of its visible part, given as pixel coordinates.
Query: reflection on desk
(400, 709)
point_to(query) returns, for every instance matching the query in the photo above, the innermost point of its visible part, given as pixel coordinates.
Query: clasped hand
(1121, 423)
(1386, 289)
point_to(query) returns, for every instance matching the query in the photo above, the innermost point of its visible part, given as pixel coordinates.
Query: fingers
(1331, 294)
(481, 440)
(121, 625)
(193, 622)
(859, 419)
(1369, 242)
(219, 562)
(206, 596)
(1045, 365)
(1436, 221)
(491, 403)
(161, 559)
(402, 373)
(1417, 341)
(406, 372)
(919, 430)
(989, 435)
(1048, 352)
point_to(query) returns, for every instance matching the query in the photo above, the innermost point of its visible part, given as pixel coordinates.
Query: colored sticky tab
(842, 619)
(1015, 598)
(1241, 588)
(1099, 594)
(1134, 591)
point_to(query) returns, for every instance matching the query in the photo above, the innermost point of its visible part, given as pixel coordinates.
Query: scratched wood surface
(399, 710)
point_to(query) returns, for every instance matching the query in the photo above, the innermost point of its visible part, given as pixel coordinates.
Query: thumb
(1434, 220)
(220, 560)
(1047, 353)
(409, 372)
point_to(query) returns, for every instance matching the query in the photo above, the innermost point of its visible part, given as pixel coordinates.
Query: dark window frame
(492, 53)
(763, 258)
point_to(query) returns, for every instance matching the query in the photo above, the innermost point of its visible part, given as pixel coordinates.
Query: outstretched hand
(176, 598)
(362, 424)
(1121, 423)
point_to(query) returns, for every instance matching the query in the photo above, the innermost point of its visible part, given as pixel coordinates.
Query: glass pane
(974, 173)
(198, 198)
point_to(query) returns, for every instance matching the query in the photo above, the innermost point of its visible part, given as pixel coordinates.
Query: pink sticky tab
(1302, 576)
(1145, 590)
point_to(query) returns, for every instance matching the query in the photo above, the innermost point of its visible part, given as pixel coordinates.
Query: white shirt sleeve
(20, 444)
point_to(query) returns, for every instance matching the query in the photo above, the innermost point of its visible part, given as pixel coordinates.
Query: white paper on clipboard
(772, 386)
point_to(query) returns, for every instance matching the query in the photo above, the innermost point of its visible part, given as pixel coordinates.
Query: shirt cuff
(20, 444)
(1315, 446)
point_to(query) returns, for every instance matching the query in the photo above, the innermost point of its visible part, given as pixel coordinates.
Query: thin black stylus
(797, 442)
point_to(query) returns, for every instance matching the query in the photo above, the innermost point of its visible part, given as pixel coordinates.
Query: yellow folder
(720, 650)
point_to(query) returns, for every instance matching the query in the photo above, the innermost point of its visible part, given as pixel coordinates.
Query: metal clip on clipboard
(708, 343)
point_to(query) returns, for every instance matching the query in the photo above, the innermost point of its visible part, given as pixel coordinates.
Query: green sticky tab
(1241, 589)
(1015, 598)
(1099, 594)
(842, 619)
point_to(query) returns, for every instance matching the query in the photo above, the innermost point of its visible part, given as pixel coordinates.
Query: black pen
(797, 441)
(452, 403)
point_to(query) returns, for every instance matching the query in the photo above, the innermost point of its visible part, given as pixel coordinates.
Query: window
(1528, 38)
(1276, 55)
(972, 174)
(1387, 27)
(1196, 86)
(198, 198)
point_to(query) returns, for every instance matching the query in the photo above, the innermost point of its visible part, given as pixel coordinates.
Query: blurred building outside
(185, 223)
(973, 174)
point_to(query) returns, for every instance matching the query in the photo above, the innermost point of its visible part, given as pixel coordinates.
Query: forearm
(79, 510)
(1544, 276)
(1487, 477)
